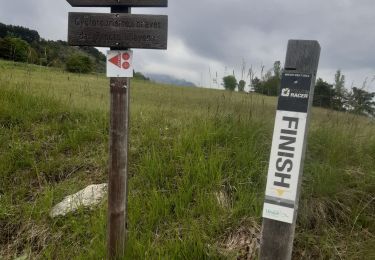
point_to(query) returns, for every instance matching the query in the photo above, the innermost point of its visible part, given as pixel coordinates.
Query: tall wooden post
(118, 160)
(288, 150)
(119, 30)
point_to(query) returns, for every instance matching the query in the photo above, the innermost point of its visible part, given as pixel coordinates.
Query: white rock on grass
(88, 197)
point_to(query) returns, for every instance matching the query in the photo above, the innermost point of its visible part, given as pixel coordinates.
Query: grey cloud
(226, 31)
(344, 28)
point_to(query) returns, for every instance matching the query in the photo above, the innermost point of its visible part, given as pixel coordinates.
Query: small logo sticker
(285, 92)
(294, 93)
(279, 213)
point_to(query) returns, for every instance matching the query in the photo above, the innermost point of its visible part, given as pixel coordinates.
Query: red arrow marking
(116, 60)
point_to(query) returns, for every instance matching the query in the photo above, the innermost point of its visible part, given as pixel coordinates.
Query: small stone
(88, 197)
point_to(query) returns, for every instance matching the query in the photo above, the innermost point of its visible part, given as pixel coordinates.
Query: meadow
(198, 165)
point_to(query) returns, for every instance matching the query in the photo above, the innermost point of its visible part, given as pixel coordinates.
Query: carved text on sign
(118, 30)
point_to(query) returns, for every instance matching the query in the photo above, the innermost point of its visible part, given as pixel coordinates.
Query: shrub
(230, 82)
(79, 64)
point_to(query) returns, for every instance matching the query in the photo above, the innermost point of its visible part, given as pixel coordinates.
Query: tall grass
(198, 163)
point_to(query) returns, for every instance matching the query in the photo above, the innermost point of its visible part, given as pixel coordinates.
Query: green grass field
(198, 165)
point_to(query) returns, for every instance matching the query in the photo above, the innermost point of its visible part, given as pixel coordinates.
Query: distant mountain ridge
(167, 79)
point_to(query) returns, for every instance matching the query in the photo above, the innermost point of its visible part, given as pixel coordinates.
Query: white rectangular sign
(279, 213)
(120, 64)
(285, 165)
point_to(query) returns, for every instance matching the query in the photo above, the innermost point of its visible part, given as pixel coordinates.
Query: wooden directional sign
(118, 30)
(110, 3)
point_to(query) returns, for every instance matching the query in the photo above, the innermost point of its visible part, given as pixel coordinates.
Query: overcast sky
(217, 35)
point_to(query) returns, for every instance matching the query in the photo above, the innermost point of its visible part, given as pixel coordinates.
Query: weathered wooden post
(118, 160)
(288, 150)
(119, 30)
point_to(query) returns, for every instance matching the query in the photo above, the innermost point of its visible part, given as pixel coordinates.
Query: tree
(23, 33)
(272, 86)
(32, 56)
(251, 76)
(230, 82)
(5, 48)
(14, 49)
(339, 82)
(361, 102)
(323, 94)
(339, 98)
(257, 85)
(277, 69)
(78, 63)
(269, 84)
(241, 86)
(3, 30)
(99, 56)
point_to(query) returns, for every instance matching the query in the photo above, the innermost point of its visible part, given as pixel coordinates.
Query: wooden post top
(302, 56)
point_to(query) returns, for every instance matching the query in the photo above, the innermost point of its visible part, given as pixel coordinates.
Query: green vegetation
(22, 44)
(79, 64)
(15, 49)
(241, 85)
(230, 82)
(140, 76)
(198, 165)
(19, 32)
(361, 102)
(333, 96)
(269, 84)
(323, 95)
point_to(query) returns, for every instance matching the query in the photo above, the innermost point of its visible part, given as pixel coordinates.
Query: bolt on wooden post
(288, 150)
(120, 31)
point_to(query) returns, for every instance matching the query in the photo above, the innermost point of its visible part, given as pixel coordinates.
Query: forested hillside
(25, 45)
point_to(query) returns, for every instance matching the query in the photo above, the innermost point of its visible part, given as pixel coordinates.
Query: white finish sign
(120, 64)
(287, 147)
(286, 155)
(284, 166)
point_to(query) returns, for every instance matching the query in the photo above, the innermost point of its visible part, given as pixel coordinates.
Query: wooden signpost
(119, 30)
(288, 150)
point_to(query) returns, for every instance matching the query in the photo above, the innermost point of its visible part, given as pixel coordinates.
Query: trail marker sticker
(120, 64)
(287, 146)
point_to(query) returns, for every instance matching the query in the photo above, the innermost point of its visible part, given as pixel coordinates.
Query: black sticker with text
(294, 92)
